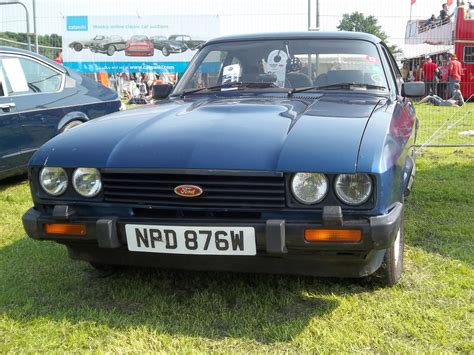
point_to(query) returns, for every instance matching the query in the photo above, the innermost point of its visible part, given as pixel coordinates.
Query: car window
(25, 76)
(209, 70)
(394, 72)
(292, 63)
(139, 38)
(3, 88)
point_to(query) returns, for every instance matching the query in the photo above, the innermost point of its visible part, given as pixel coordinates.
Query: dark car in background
(80, 45)
(39, 99)
(186, 40)
(168, 47)
(109, 45)
(139, 46)
(255, 162)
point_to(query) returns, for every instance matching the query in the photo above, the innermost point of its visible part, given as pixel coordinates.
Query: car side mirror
(161, 91)
(413, 89)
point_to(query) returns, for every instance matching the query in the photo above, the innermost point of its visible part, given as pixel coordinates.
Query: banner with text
(134, 43)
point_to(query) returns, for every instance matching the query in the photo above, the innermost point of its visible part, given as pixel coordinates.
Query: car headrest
(299, 80)
(321, 80)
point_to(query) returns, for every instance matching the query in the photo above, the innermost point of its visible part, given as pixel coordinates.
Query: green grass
(51, 303)
(453, 120)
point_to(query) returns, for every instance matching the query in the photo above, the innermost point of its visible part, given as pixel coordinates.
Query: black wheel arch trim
(72, 116)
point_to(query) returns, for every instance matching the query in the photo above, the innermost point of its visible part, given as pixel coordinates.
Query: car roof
(12, 50)
(298, 35)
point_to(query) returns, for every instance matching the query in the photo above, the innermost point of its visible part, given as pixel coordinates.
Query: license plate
(191, 239)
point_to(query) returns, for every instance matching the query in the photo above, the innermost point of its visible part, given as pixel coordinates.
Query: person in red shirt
(429, 72)
(455, 72)
(59, 57)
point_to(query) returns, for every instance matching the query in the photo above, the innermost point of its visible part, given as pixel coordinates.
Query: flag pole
(411, 8)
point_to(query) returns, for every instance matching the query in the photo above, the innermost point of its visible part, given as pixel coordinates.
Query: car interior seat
(299, 80)
(321, 80)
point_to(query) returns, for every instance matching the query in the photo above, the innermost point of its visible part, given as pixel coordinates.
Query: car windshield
(138, 38)
(301, 63)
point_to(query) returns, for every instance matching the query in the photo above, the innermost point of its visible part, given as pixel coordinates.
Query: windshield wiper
(235, 84)
(335, 87)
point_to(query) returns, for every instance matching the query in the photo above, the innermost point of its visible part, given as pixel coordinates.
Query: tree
(357, 22)
(53, 40)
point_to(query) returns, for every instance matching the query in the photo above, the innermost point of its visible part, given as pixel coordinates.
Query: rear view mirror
(161, 91)
(413, 89)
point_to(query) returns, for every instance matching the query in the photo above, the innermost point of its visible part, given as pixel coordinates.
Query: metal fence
(439, 125)
(47, 51)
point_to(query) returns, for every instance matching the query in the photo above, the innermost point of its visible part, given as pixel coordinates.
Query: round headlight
(87, 182)
(309, 188)
(353, 189)
(53, 180)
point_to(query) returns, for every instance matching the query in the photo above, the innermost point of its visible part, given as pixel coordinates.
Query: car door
(10, 128)
(35, 89)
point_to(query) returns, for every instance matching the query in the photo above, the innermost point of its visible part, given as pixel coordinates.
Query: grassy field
(51, 303)
(452, 120)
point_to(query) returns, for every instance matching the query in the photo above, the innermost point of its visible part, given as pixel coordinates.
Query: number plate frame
(191, 240)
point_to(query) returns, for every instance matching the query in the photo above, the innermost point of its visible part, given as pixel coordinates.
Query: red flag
(450, 2)
(413, 1)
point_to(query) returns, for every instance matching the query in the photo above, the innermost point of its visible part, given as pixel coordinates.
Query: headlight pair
(86, 181)
(312, 188)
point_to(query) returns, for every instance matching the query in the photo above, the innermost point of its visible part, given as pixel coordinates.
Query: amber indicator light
(65, 229)
(333, 235)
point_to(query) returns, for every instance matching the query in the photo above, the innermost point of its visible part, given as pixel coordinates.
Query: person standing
(455, 72)
(418, 72)
(405, 71)
(443, 80)
(59, 57)
(429, 72)
(444, 13)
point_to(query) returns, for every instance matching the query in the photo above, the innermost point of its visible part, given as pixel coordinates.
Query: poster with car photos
(135, 43)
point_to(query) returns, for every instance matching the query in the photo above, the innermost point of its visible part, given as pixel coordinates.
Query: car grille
(219, 191)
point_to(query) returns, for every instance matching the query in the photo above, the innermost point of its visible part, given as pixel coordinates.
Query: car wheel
(78, 47)
(391, 270)
(111, 50)
(71, 125)
(165, 51)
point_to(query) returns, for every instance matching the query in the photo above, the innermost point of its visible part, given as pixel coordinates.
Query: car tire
(392, 266)
(111, 50)
(78, 47)
(71, 125)
(165, 51)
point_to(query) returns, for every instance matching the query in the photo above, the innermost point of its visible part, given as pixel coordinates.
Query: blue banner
(129, 67)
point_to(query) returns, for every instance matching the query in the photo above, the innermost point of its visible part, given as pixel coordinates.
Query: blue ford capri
(278, 153)
(39, 99)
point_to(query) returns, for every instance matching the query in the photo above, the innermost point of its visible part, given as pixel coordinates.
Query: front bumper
(281, 247)
(138, 52)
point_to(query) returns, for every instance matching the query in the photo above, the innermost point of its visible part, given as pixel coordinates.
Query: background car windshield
(138, 38)
(287, 63)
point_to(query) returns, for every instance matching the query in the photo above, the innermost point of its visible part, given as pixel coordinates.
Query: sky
(237, 16)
